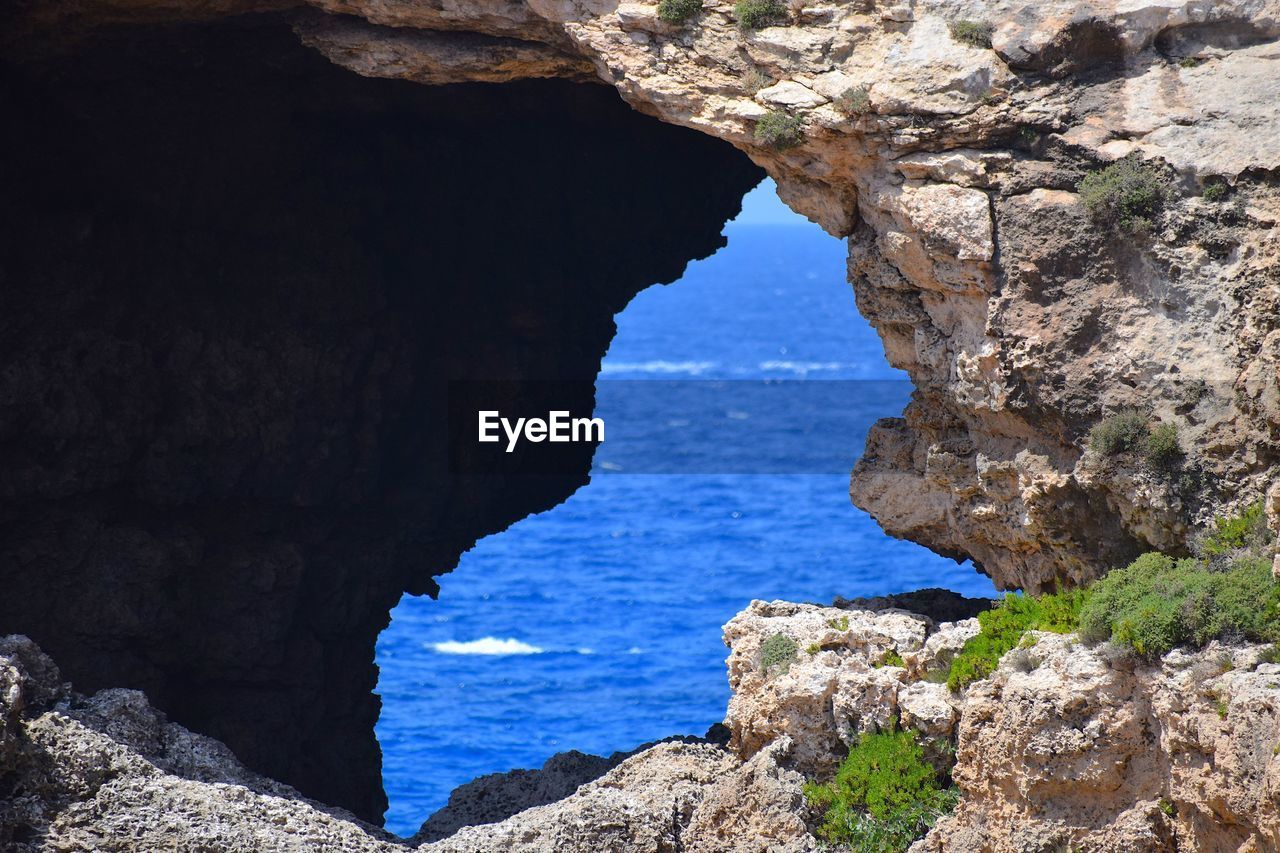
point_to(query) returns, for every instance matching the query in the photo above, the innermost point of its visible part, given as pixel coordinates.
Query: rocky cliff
(225, 336)
(238, 283)
(1064, 746)
(952, 163)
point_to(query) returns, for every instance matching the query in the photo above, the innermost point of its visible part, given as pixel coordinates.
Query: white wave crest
(802, 367)
(692, 368)
(486, 646)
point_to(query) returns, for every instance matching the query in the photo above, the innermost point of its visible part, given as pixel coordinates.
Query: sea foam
(486, 646)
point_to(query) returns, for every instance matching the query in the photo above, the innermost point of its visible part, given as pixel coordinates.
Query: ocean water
(596, 625)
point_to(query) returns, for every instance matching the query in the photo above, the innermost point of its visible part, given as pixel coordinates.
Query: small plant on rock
(1128, 194)
(1126, 430)
(755, 80)
(1162, 447)
(884, 796)
(972, 33)
(1215, 191)
(1248, 530)
(779, 130)
(778, 651)
(1003, 626)
(891, 658)
(841, 624)
(854, 101)
(755, 14)
(1156, 603)
(678, 11)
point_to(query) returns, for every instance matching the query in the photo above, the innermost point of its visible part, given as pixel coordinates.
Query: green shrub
(754, 14)
(1128, 194)
(1156, 603)
(973, 33)
(778, 651)
(1002, 628)
(841, 624)
(1188, 62)
(892, 658)
(854, 101)
(883, 797)
(678, 11)
(1117, 433)
(1215, 191)
(1166, 806)
(1162, 447)
(1247, 530)
(779, 130)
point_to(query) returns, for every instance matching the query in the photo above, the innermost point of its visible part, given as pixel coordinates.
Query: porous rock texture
(110, 773)
(1071, 747)
(1019, 320)
(1065, 746)
(855, 671)
(213, 437)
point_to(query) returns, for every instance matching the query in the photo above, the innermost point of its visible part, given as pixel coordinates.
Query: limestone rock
(493, 798)
(1092, 748)
(110, 773)
(673, 796)
(843, 682)
(1020, 321)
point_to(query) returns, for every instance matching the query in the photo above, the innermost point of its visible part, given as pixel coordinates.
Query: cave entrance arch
(235, 282)
(736, 401)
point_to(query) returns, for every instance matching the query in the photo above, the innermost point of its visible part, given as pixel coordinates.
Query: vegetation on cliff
(1157, 602)
(884, 796)
(779, 651)
(1004, 625)
(973, 33)
(1128, 193)
(779, 130)
(754, 14)
(678, 11)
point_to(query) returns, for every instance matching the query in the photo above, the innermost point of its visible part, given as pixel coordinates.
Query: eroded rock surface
(1089, 748)
(110, 773)
(1020, 321)
(855, 671)
(1064, 746)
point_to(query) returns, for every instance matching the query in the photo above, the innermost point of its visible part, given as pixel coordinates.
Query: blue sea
(735, 401)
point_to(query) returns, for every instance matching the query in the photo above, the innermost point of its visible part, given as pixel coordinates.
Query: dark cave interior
(235, 283)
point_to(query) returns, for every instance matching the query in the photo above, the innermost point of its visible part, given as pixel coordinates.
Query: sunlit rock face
(237, 281)
(226, 328)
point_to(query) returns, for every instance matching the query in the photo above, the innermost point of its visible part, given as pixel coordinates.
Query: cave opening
(736, 400)
(235, 280)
